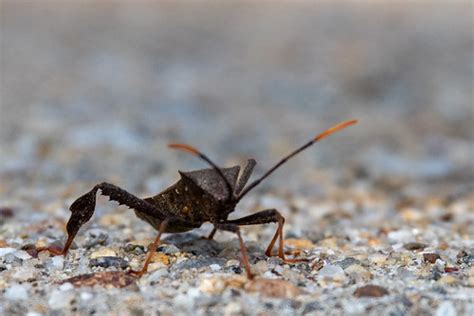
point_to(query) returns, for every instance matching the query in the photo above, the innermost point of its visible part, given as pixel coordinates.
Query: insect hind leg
(235, 229)
(265, 217)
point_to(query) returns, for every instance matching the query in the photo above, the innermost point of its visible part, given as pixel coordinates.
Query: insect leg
(211, 235)
(83, 208)
(235, 229)
(265, 217)
(152, 250)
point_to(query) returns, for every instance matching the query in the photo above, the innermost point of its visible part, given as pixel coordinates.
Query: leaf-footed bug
(207, 195)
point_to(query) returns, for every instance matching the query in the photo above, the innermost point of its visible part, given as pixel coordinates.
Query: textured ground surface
(383, 212)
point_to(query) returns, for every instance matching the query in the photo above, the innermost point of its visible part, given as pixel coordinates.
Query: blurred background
(93, 91)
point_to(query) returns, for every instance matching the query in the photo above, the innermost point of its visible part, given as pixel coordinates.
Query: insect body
(207, 195)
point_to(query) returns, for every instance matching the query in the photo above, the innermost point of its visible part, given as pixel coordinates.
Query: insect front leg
(83, 208)
(265, 217)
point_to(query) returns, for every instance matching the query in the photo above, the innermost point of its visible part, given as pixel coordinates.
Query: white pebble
(57, 262)
(215, 267)
(331, 270)
(158, 275)
(66, 286)
(86, 296)
(21, 254)
(446, 309)
(400, 236)
(16, 292)
(5, 251)
(25, 273)
(60, 299)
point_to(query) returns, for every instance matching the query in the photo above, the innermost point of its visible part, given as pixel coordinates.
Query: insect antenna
(324, 134)
(194, 151)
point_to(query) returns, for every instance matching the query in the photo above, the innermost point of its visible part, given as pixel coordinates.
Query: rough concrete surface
(382, 212)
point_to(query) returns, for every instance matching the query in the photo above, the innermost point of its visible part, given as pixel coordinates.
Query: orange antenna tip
(184, 147)
(335, 128)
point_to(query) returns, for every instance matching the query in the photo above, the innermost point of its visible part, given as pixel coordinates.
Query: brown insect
(207, 195)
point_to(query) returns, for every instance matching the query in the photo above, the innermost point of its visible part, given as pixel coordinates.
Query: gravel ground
(383, 212)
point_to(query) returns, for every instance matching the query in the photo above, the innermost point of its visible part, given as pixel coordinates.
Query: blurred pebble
(56, 262)
(7, 250)
(332, 271)
(370, 291)
(448, 280)
(414, 246)
(346, 262)
(10, 258)
(158, 275)
(168, 249)
(16, 292)
(446, 308)
(60, 299)
(431, 257)
(21, 254)
(108, 261)
(159, 257)
(103, 252)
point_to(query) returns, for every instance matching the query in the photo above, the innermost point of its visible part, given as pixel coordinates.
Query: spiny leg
(265, 217)
(83, 208)
(152, 250)
(235, 229)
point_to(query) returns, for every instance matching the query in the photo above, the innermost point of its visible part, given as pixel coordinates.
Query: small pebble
(16, 292)
(7, 250)
(168, 249)
(159, 257)
(414, 246)
(346, 262)
(272, 288)
(10, 258)
(57, 262)
(215, 267)
(299, 243)
(157, 275)
(103, 252)
(332, 271)
(431, 257)
(21, 254)
(446, 308)
(86, 296)
(66, 286)
(378, 259)
(106, 262)
(95, 239)
(370, 291)
(60, 299)
(448, 280)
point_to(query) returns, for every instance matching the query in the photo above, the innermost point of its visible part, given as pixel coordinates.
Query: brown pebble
(431, 257)
(6, 212)
(272, 288)
(370, 291)
(116, 279)
(446, 217)
(414, 246)
(451, 269)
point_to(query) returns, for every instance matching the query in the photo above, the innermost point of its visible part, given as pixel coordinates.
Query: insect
(207, 195)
